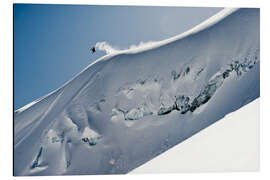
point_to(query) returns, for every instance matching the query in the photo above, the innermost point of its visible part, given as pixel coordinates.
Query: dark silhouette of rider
(93, 49)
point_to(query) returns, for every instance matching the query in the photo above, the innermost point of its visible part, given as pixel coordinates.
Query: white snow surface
(130, 106)
(225, 146)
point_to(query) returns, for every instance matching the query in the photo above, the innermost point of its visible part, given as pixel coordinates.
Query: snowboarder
(93, 49)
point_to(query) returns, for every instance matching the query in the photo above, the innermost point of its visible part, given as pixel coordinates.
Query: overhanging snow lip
(204, 25)
(200, 27)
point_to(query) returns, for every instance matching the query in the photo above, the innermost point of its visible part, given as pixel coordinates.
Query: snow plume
(104, 46)
(142, 44)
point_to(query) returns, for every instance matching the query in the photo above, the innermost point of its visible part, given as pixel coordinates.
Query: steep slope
(229, 145)
(128, 107)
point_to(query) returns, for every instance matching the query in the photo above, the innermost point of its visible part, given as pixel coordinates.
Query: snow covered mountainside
(217, 148)
(128, 107)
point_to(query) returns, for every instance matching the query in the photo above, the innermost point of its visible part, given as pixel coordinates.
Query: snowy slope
(218, 148)
(128, 107)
